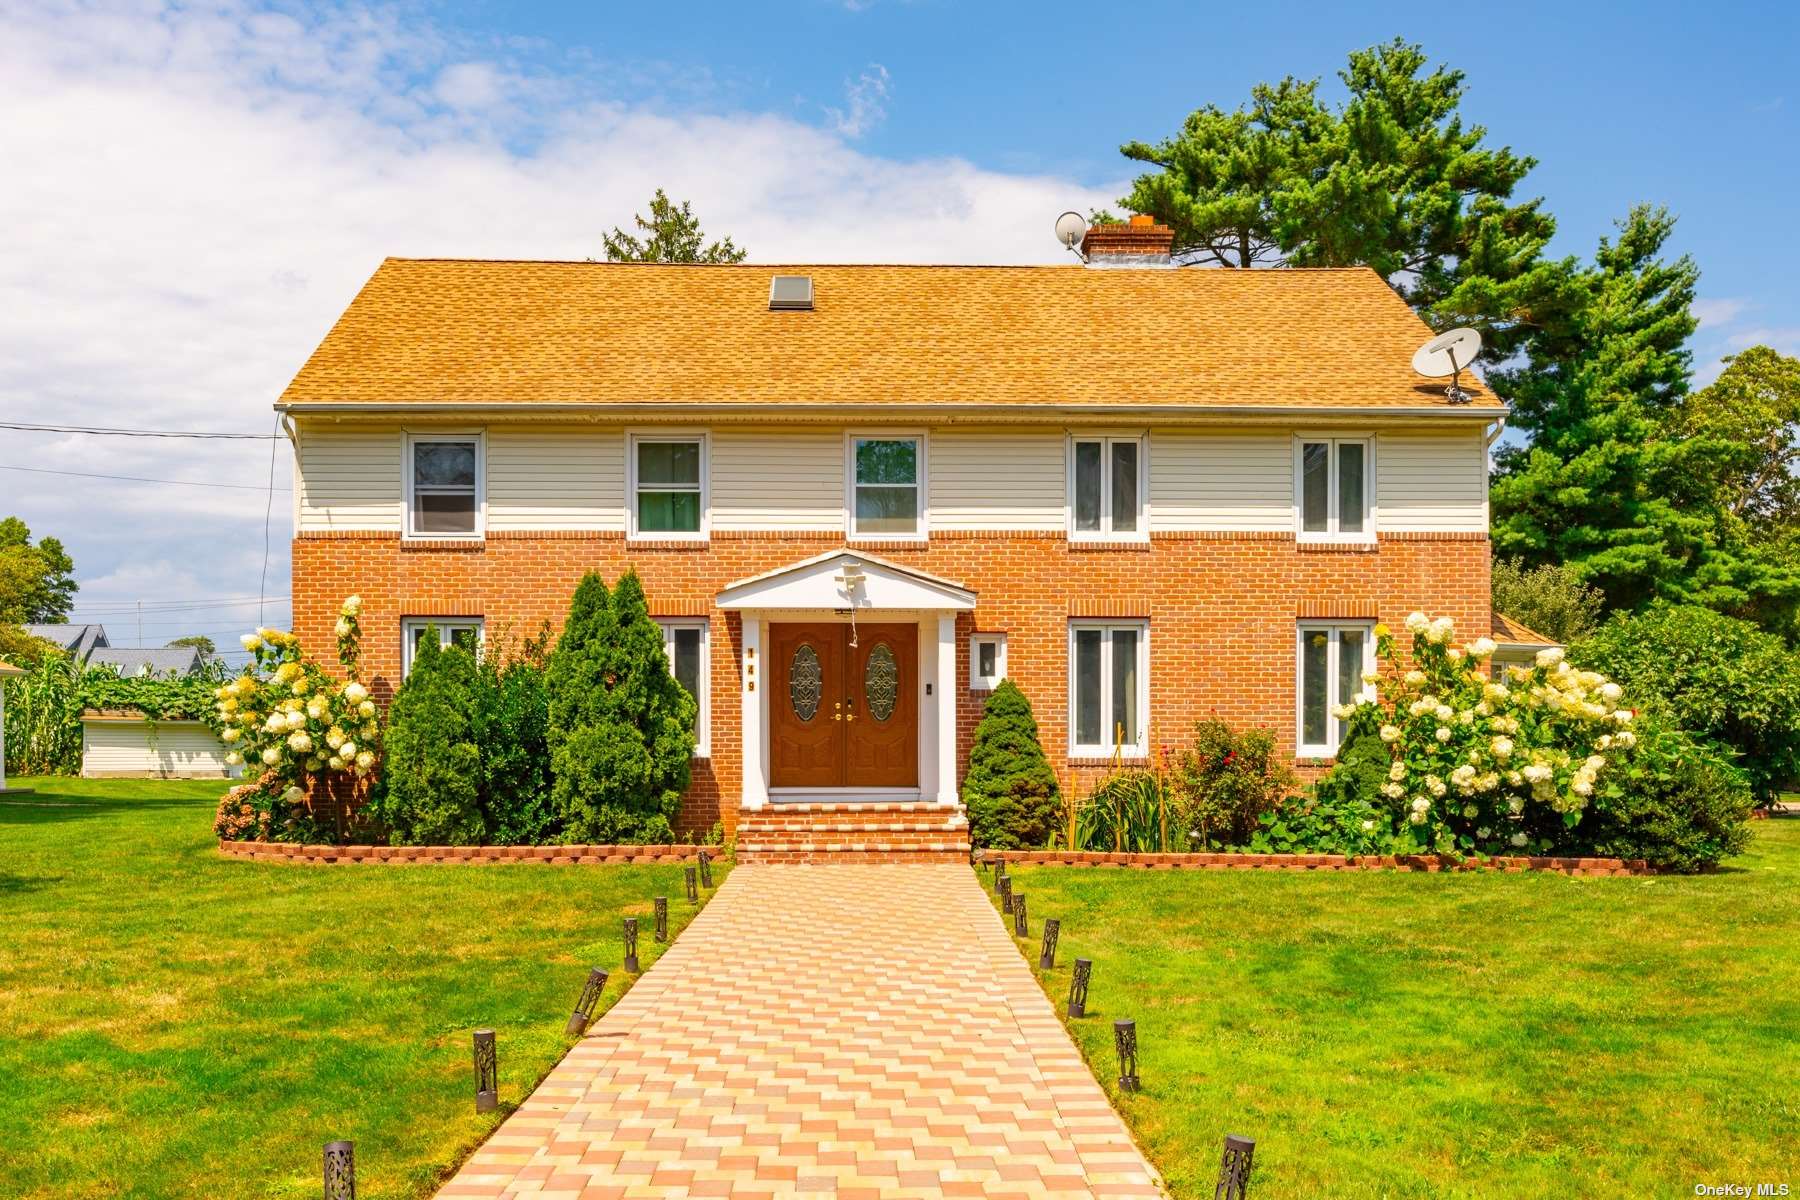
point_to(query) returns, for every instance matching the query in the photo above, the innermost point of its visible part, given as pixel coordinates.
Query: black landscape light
(487, 1072)
(1234, 1167)
(693, 887)
(706, 870)
(662, 918)
(1003, 887)
(340, 1171)
(631, 960)
(1078, 985)
(1125, 1042)
(584, 1007)
(1021, 927)
(1047, 955)
(999, 872)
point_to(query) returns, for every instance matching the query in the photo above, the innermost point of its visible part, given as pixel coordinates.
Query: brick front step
(830, 833)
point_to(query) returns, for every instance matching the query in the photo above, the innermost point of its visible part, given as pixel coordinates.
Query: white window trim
(409, 438)
(1105, 532)
(632, 441)
(1334, 731)
(981, 683)
(1331, 533)
(851, 437)
(444, 625)
(1141, 748)
(703, 719)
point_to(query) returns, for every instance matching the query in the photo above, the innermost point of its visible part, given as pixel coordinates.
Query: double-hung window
(465, 632)
(1109, 688)
(685, 645)
(668, 486)
(1335, 483)
(887, 484)
(1332, 660)
(443, 485)
(1106, 487)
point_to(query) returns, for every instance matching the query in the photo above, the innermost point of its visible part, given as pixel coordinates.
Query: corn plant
(43, 718)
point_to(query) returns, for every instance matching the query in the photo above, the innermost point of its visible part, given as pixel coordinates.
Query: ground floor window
(685, 644)
(1109, 687)
(1332, 660)
(987, 661)
(451, 631)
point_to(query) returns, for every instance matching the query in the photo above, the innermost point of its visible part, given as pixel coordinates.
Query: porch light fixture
(1047, 955)
(340, 1171)
(1234, 1167)
(631, 958)
(693, 887)
(706, 870)
(584, 1007)
(1125, 1042)
(487, 1072)
(1021, 927)
(1078, 987)
(662, 918)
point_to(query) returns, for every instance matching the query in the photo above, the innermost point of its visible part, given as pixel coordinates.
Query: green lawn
(1386, 1034)
(179, 1024)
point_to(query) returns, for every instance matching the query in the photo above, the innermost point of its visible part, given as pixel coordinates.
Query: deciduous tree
(37, 583)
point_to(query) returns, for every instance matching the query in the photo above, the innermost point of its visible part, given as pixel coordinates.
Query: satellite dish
(1071, 227)
(1447, 354)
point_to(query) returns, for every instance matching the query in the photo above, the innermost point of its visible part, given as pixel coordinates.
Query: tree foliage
(431, 793)
(37, 582)
(198, 641)
(671, 235)
(1550, 599)
(621, 727)
(1010, 791)
(512, 730)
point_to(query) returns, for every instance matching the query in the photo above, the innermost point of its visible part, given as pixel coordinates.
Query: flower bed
(1320, 862)
(401, 856)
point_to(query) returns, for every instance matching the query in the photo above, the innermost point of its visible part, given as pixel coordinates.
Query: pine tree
(673, 237)
(1010, 791)
(431, 793)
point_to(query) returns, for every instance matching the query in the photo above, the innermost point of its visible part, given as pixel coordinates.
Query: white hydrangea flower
(277, 723)
(1397, 771)
(1435, 786)
(1484, 831)
(347, 751)
(1454, 654)
(364, 760)
(301, 687)
(355, 692)
(1625, 739)
(1416, 622)
(1390, 734)
(1622, 716)
(1414, 677)
(1443, 712)
(1471, 811)
(1537, 773)
(294, 720)
(1393, 791)
(1519, 839)
(232, 735)
(366, 708)
(1368, 826)
(300, 742)
(271, 756)
(1516, 804)
(342, 628)
(351, 606)
(1463, 777)
(251, 641)
(1443, 733)
(334, 737)
(1482, 647)
(1502, 748)
(1611, 691)
(335, 763)
(1549, 656)
(1343, 712)
(234, 759)
(1371, 677)
(1439, 631)
(1421, 804)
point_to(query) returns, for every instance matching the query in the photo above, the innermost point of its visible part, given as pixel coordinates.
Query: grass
(179, 1024)
(1388, 1034)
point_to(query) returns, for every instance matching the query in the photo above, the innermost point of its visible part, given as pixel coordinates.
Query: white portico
(848, 681)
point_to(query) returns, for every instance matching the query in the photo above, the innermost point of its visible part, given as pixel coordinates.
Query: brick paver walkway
(824, 1030)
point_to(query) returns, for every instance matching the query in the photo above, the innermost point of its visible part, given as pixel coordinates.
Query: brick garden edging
(1319, 862)
(402, 856)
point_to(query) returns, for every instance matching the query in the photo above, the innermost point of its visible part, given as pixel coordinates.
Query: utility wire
(246, 487)
(108, 431)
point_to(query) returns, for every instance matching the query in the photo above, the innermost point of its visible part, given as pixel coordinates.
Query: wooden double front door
(843, 715)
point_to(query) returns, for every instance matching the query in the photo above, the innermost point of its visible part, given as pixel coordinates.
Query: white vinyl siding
(997, 479)
(555, 478)
(1433, 482)
(348, 477)
(134, 748)
(1222, 481)
(777, 479)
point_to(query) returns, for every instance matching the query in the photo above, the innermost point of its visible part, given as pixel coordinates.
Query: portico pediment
(846, 579)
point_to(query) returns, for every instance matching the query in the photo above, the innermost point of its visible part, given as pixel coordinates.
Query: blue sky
(196, 190)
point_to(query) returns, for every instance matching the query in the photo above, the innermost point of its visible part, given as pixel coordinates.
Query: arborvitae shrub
(432, 775)
(1010, 790)
(512, 727)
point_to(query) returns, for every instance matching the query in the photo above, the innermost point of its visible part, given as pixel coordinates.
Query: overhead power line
(242, 487)
(109, 431)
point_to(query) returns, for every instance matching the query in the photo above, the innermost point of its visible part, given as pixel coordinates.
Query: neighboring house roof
(1513, 634)
(451, 332)
(79, 640)
(155, 660)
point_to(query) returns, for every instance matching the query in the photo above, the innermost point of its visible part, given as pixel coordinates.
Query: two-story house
(859, 496)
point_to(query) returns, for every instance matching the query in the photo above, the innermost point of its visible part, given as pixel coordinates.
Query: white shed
(126, 745)
(7, 670)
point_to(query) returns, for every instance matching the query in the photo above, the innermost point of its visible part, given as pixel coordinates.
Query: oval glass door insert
(881, 682)
(805, 682)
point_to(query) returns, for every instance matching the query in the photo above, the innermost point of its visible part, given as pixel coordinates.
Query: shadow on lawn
(52, 807)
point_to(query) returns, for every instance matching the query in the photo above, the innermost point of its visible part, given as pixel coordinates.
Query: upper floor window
(684, 643)
(668, 485)
(1109, 688)
(1335, 483)
(444, 485)
(1106, 487)
(465, 632)
(887, 484)
(1333, 658)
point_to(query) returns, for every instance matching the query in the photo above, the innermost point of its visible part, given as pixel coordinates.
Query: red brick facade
(1221, 609)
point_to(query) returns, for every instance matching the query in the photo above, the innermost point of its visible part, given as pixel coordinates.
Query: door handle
(849, 710)
(837, 711)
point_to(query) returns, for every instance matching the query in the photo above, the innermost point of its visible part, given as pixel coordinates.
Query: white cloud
(865, 100)
(195, 193)
(1715, 311)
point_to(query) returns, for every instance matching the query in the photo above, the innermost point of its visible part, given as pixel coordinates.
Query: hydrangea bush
(1483, 765)
(287, 716)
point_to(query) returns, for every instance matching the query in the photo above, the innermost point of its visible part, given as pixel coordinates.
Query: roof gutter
(938, 411)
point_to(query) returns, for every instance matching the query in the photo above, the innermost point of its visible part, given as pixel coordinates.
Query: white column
(752, 678)
(946, 708)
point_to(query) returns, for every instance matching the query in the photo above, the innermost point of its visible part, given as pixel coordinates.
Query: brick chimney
(1139, 242)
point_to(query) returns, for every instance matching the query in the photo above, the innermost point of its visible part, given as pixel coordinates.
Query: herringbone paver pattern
(825, 1030)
